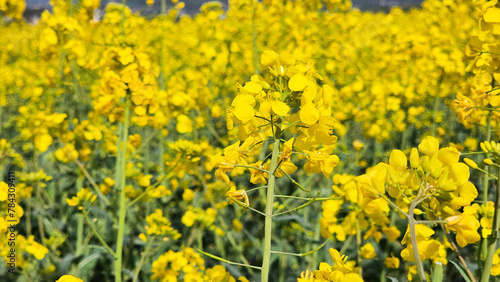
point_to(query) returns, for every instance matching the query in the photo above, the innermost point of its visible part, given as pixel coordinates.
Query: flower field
(272, 141)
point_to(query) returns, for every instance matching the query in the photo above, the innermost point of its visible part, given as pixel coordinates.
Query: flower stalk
(122, 150)
(269, 212)
(492, 240)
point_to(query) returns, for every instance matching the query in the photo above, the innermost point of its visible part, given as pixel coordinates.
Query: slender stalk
(457, 251)
(227, 261)
(254, 42)
(358, 248)
(492, 240)
(80, 220)
(484, 248)
(413, 236)
(144, 256)
(269, 212)
(122, 150)
(96, 233)
(302, 254)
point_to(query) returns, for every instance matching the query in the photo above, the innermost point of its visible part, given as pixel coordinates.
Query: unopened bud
(426, 163)
(488, 161)
(483, 147)
(447, 209)
(414, 159)
(470, 163)
(488, 146)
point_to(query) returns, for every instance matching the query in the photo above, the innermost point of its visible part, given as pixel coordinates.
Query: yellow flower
(42, 142)
(392, 262)
(466, 225)
(36, 249)
(238, 195)
(188, 195)
(184, 124)
(368, 251)
(69, 278)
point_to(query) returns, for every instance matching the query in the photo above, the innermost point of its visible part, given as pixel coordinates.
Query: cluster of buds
(491, 148)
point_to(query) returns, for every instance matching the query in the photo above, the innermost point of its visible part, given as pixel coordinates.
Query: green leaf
(462, 271)
(86, 266)
(392, 279)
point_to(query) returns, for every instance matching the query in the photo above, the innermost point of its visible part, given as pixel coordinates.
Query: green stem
(227, 261)
(413, 236)
(438, 272)
(121, 221)
(99, 237)
(492, 240)
(484, 248)
(144, 256)
(486, 175)
(302, 254)
(254, 41)
(269, 212)
(358, 248)
(80, 220)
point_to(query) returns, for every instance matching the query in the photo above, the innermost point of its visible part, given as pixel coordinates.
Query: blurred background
(35, 7)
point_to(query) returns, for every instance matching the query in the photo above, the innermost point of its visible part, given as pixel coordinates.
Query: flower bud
(488, 161)
(470, 163)
(418, 211)
(447, 209)
(414, 159)
(426, 163)
(488, 146)
(483, 147)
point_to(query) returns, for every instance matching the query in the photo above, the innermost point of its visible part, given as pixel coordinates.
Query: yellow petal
(309, 114)
(449, 156)
(492, 15)
(268, 57)
(429, 146)
(252, 87)
(398, 160)
(298, 82)
(280, 108)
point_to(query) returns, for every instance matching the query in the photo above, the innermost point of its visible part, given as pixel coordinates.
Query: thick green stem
(269, 212)
(492, 240)
(122, 150)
